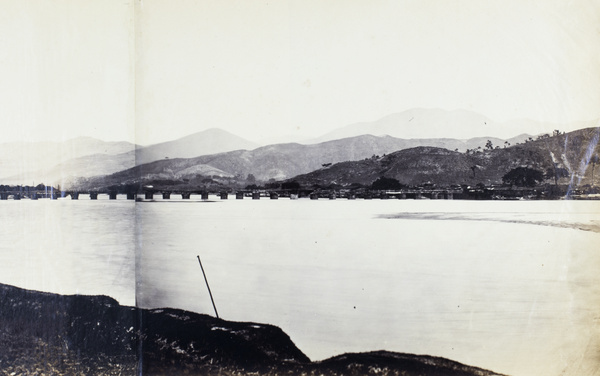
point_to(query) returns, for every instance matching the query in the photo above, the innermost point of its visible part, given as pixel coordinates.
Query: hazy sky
(299, 68)
(66, 69)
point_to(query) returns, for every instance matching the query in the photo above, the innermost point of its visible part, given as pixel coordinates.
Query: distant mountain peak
(211, 131)
(425, 123)
(204, 142)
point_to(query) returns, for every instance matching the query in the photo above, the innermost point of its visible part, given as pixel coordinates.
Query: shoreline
(66, 334)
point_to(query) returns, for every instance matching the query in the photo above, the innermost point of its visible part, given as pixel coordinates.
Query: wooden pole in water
(209, 293)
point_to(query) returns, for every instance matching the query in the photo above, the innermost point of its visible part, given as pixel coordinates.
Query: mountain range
(567, 157)
(65, 163)
(24, 162)
(421, 123)
(362, 160)
(278, 162)
(86, 162)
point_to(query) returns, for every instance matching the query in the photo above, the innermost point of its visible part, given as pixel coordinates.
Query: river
(510, 286)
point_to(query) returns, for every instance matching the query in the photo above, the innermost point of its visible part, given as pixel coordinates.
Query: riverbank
(43, 333)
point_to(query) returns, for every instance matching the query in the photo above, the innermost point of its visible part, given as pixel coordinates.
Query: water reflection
(485, 286)
(511, 287)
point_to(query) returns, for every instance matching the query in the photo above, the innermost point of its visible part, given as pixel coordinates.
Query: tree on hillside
(272, 184)
(291, 185)
(594, 160)
(474, 169)
(556, 173)
(523, 177)
(489, 145)
(384, 183)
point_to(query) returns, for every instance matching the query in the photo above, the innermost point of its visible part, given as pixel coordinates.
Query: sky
(149, 71)
(66, 70)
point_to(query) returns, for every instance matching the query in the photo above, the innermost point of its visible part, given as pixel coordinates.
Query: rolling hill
(268, 162)
(214, 152)
(569, 153)
(279, 162)
(568, 157)
(67, 163)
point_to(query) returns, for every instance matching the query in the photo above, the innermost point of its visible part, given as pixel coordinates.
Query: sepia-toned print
(299, 188)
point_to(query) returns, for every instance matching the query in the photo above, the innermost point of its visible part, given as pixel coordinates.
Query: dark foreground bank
(50, 334)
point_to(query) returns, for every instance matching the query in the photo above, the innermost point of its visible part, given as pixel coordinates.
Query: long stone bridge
(147, 195)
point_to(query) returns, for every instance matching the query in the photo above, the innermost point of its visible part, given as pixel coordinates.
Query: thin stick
(209, 293)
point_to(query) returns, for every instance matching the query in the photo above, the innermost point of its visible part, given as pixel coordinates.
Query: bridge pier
(112, 195)
(33, 196)
(74, 195)
(16, 196)
(166, 195)
(130, 196)
(223, 195)
(239, 195)
(314, 196)
(273, 196)
(185, 195)
(332, 196)
(148, 195)
(256, 195)
(3, 196)
(93, 195)
(204, 195)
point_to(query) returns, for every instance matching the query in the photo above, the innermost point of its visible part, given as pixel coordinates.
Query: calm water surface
(509, 286)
